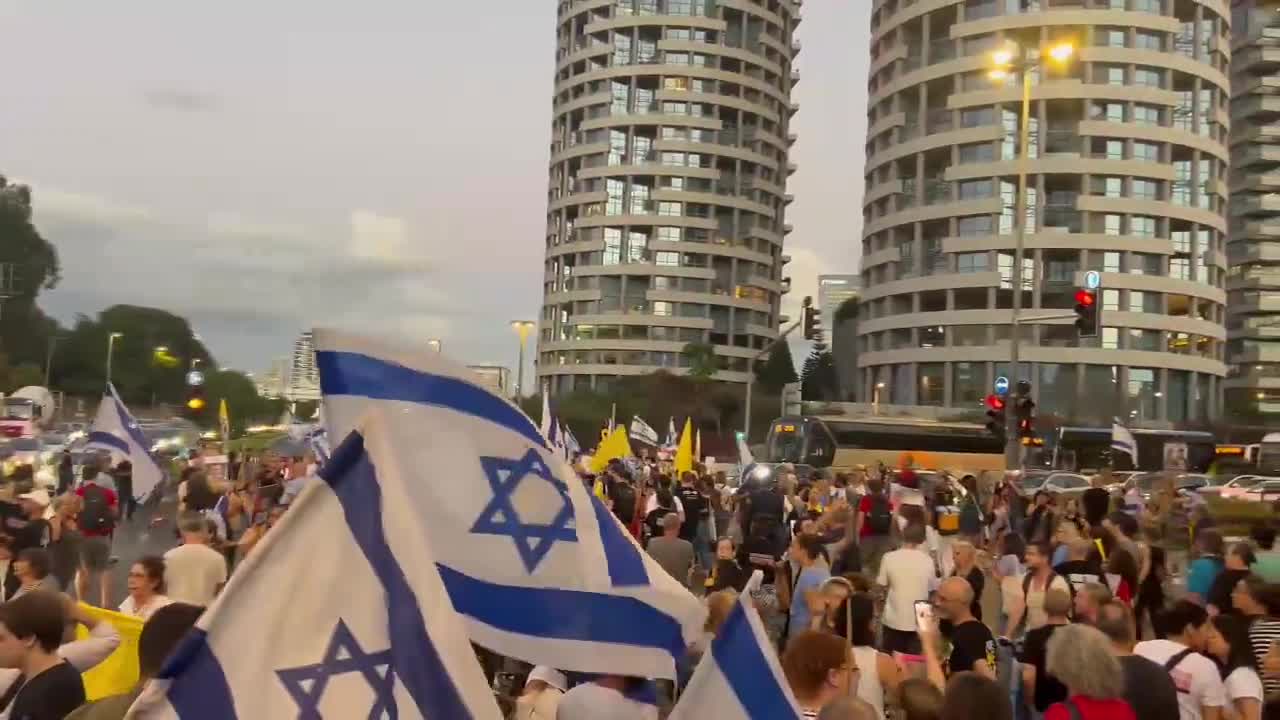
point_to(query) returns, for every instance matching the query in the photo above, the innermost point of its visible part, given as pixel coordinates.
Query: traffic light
(812, 323)
(996, 408)
(1026, 409)
(195, 399)
(1087, 313)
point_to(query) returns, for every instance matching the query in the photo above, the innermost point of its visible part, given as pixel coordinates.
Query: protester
(1080, 568)
(1043, 520)
(909, 575)
(663, 504)
(673, 553)
(973, 648)
(819, 668)
(965, 561)
(32, 567)
(1096, 501)
(1206, 568)
(727, 573)
(878, 675)
(35, 530)
(1008, 571)
(146, 588)
(1235, 568)
(1040, 579)
(847, 708)
(697, 514)
(1080, 657)
(760, 551)
(920, 699)
(1201, 695)
(160, 636)
(1148, 689)
(1151, 587)
(10, 583)
(1259, 603)
(1122, 574)
(1267, 562)
(605, 697)
(1228, 644)
(1040, 687)
(66, 473)
(194, 572)
(1089, 599)
(97, 522)
(807, 552)
(123, 476)
(873, 524)
(541, 696)
(972, 696)
(64, 539)
(31, 628)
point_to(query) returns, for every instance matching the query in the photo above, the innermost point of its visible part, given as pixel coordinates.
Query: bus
(1269, 454)
(841, 443)
(1086, 448)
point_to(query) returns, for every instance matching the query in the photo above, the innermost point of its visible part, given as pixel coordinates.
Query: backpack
(1173, 663)
(624, 502)
(1026, 588)
(96, 517)
(880, 516)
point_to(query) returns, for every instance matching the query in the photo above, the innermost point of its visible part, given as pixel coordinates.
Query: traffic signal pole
(1012, 451)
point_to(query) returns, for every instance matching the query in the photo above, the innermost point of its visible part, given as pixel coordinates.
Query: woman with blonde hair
(1080, 657)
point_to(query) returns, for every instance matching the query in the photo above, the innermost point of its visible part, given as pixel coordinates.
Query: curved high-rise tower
(1126, 176)
(667, 192)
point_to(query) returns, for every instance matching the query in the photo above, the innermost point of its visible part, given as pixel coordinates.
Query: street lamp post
(1004, 62)
(111, 346)
(875, 398)
(436, 345)
(522, 328)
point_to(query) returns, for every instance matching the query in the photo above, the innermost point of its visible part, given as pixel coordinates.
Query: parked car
(1265, 491)
(1065, 483)
(1238, 485)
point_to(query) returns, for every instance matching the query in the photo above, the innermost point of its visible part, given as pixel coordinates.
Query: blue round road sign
(1002, 385)
(1092, 279)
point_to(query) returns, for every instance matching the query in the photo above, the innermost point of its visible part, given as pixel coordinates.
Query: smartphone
(924, 616)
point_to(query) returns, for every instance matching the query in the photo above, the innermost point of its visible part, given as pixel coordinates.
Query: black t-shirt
(696, 508)
(763, 504)
(51, 695)
(1096, 502)
(1149, 689)
(976, 581)
(1220, 591)
(1079, 572)
(1034, 649)
(970, 642)
(35, 534)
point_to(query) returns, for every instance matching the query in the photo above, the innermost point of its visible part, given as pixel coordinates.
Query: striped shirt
(1262, 634)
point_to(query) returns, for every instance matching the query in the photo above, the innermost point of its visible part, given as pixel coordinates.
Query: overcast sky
(264, 167)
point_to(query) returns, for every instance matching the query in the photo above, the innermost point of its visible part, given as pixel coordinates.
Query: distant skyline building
(304, 379)
(1253, 252)
(274, 383)
(494, 377)
(832, 291)
(670, 154)
(1126, 175)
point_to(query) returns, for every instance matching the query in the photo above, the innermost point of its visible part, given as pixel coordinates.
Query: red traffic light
(995, 402)
(1085, 298)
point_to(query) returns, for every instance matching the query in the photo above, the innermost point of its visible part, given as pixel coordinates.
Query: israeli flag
(368, 632)
(114, 430)
(540, 570)
(640, 430)
(739, 676)
(1122, 441)
(571, 446)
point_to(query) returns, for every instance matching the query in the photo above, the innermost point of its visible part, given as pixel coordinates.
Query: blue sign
(1002, 385)
(1093, 279)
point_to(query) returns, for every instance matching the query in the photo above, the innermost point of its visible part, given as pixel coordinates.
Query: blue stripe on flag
(746, 669)
(347, 373)
(414, 657)
(553, 613)
(626, 567)
(100, 437)
(199, 687)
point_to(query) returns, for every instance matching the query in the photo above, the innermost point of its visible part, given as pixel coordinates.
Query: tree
(244, 405)
(28, 264)
(818, 380)
(702, 360)
(778, 369)
(22, 376)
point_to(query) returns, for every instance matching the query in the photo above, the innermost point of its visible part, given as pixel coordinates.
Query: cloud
(180, 100)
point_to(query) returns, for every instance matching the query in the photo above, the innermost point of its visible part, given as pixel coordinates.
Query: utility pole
(751, 372)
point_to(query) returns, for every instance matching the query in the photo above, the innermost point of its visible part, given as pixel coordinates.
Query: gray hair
(847, 708)
(193, 522)
(670, 520)
(1080, 657)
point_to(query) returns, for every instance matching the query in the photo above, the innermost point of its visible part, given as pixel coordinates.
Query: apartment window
(680, 84)
(1108, 111)
(1146, 114)
(1144, 302)
(1108, 186)
(669, 209)
(1180, 267)
(1146, 151)
(1148, 76)
(977, 153)
(612, 246)
(670, 234)
(1111, 262)
(1112, 224)
(972, 262)
(1111, 300)
(1148, 40)
(1110, 75)
(978, 117)
(1109, 149)
(1146, 189)
(667, 259)
(1111, 36)
(1142, 226)
(1144, 340)
(662, 307)
(1110, 338)
(977, 189)
(1145, 264)
(975, 225)
(677, 58)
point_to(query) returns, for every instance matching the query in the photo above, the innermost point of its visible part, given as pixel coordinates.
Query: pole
(520, 368)
(1012, 450)
(48, 360)
(111, 341)
(751, 378)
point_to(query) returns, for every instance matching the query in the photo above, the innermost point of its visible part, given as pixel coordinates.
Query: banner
(119, 672)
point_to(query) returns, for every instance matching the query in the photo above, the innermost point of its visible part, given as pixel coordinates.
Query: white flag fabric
(545, 425)
(672, 439)
(745, 457)
(116, 431)
(1122, 441)
(739, 677)
(339, 613)
(571, 446)
(540, 569)
(641, 431)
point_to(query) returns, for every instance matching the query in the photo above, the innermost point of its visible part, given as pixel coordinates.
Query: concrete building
(833, 290)
(1253, 284)
(843, 333)
(304, 379)
(274, 383)
(1127, 176)
(667, 192)
(495, 377)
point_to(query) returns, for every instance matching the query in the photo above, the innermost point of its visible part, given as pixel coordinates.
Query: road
(137, 539)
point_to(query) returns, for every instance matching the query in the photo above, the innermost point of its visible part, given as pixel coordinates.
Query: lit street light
(111, 346)
(522, 328)
(435, 344)
(1004, 62)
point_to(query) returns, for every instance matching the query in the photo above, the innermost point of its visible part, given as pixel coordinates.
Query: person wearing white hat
(542, 692)
(35, 532)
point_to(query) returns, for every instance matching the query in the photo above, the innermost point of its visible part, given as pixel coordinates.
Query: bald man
(972, 645)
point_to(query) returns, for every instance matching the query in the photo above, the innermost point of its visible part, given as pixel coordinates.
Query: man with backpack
(1038, 581)
(98, 514)
(1201, 694)
(873, 525)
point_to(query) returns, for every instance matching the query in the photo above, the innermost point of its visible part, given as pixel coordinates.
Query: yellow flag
(612, 448)
(684, 451)
(119, 672)
(224, 421)
(697, 446)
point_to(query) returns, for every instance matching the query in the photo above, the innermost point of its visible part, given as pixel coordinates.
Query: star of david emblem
(306, 684)
(533, 541)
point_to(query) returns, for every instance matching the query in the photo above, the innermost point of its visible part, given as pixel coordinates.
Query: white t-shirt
(1035, 615)
(910, 575)
(192, 573)
(129, 607)
(1243, 683)
(652, 504)
(1195, 676)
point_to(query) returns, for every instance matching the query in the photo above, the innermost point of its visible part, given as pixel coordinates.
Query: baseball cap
(550, 676)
